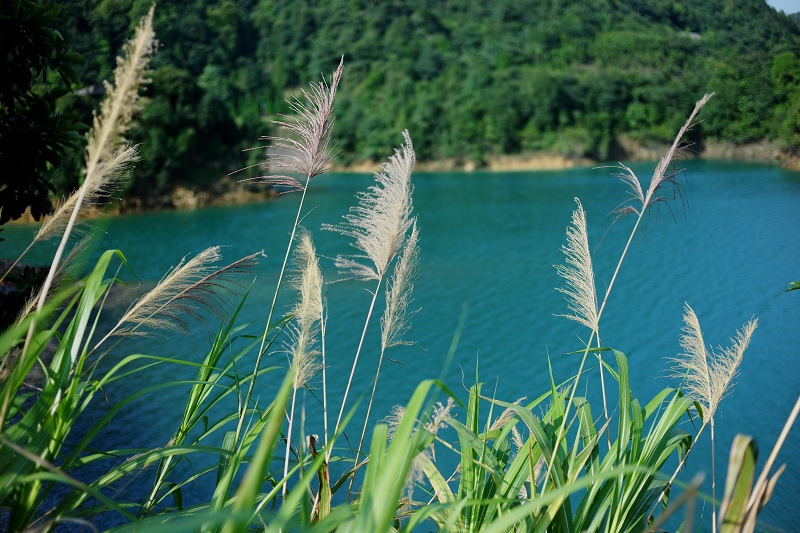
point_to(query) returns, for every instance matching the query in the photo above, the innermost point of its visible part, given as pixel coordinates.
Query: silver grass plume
(307, 313)
(108, 158)
(709, 374)
(306, 149)
(506, 416)
(578, 274)
(109, 175)
(303, 332)
(104, 138)
(381, 219)
(662, 174)
(184, 291)
(396, 318)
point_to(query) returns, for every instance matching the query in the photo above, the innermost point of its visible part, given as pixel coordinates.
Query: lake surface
(729, 247)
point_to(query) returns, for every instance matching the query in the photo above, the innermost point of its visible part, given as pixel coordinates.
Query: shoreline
(625, 149)
(227, 191)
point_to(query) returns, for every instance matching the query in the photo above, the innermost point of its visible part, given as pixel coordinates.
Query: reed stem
(355, 361)
(257, 366)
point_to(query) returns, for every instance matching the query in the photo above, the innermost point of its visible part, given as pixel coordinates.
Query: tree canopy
(469, 79)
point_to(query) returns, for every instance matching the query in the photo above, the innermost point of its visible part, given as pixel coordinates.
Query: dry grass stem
(395, 321)
(709, 374)
(578, 274)
(184, 291)
(381, 219)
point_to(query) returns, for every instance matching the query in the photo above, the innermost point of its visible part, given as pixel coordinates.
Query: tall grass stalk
(307, 316)
(378, 225)
(709, 376)
(580, 291)
(308, 154)
(661, 177)
(104, 163)
(396, 316)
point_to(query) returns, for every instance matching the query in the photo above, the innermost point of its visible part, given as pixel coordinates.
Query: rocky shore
(624, 149)
(228, 191)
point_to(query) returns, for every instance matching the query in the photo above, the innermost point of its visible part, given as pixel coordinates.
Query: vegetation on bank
(469, 79)
(551, 464)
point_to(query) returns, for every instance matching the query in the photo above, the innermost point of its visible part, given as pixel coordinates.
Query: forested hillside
(468, 78)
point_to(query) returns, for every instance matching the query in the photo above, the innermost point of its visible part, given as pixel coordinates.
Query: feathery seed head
(506, 416)
(113, 171)
(110, 125)
(709, 374)
(395, 321)
(305, 150)
(578, 274)
(381, 219)
(307, 313)
(394, 419)
(108, 158)
(440, 415)
(663, 175)
(185, 290)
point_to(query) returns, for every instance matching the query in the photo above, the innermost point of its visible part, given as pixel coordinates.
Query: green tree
(34, 135)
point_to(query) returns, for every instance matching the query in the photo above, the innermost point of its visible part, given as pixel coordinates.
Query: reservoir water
(728, 246)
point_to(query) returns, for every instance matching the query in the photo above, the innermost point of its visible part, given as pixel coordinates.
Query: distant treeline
(467, 78)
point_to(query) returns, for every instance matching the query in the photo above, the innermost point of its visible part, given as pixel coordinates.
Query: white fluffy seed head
(307, 313)
(380, 221)
(578, 274)
(709, 375)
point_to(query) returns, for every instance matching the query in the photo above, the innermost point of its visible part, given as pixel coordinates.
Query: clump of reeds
(661, 177)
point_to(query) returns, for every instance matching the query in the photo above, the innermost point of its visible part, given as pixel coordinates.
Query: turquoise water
(728, 247)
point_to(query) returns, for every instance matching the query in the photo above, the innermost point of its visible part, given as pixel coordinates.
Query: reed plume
(103, 162)
(305, 150)
(307, 313)
(662, 175)
(65, 268)
(308, 317)
(437, 420)
(580, 291)
(709, 375)
(108, 158)
(310, 155)
(396, 318)
(113, 171)
(378, 225)
(185, 291)
(380, 221)
(578, 274)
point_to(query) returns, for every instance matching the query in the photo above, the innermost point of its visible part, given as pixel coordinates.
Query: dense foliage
(468, 79)
(37, 69)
